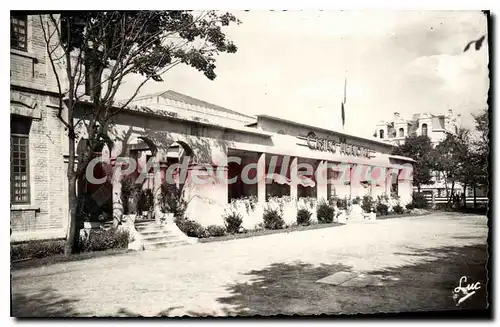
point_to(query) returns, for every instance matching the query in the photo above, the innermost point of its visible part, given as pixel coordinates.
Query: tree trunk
(72, 237)
(118, 209)
(465, 195)
(450, 199)
(474, 190)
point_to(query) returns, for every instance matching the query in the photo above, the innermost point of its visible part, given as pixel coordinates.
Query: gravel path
(191, 278)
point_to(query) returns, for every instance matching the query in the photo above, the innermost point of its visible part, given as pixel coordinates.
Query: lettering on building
(328, 145)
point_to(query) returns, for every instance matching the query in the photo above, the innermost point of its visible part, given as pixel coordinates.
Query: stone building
(435, 126)
(171, 128)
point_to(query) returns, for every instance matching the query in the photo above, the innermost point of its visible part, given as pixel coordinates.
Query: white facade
(435, 126)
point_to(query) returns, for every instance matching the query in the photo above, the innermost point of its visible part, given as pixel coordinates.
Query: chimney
(396, 116)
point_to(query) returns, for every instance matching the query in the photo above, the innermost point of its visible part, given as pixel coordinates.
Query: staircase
(155, 237)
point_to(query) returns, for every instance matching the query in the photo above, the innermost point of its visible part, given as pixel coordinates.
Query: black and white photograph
(250, 163)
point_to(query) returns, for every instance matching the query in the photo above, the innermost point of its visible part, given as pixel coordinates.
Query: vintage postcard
(249, 163)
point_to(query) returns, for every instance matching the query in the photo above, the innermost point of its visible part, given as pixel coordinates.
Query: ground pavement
(422, 258)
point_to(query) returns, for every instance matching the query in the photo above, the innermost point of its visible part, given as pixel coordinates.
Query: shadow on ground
(45, 303)
(289, 289)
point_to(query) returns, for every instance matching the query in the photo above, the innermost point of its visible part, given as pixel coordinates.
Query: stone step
(155, 238)
(154, 231)
(144, 221)
(149, 228)
(164, 244)
(148, 224)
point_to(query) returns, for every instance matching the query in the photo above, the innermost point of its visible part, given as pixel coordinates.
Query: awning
(305, 181)
(280, 179)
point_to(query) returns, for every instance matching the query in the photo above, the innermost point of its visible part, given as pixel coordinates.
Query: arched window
(381, 133)
(424, 129)
(401, 132)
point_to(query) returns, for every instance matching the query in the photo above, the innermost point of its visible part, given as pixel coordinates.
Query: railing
(442, 199)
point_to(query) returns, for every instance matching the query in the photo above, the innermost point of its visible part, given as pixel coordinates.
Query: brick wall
(46, 215)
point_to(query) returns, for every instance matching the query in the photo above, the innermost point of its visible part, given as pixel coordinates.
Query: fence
(469, 200)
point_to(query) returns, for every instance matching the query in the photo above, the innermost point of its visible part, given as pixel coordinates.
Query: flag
(343, 104)
(343, 114)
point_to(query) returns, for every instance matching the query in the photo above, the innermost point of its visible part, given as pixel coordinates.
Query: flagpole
(344, 101)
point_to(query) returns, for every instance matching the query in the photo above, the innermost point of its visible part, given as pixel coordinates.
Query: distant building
(434, 126)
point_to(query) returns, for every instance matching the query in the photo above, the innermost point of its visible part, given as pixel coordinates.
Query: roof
(175, 96)
(291, 122)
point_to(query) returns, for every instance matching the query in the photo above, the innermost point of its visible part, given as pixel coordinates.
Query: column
(322, 181)
(388, 181)
(261, 178)
(293, 178)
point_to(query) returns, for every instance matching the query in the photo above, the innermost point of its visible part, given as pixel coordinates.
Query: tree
(480, 151)
(418, 148)
(100, 49)
(453, 160)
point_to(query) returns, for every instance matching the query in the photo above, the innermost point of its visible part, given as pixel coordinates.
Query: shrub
(410, 206)
(333, 201)
(419, 201)
(342, 204)
(273, 219)
(443, 206)
(130, 194)
(398, 209)
(146, 201)
(36, 249)
(324, 212)
(382, 209)
(303, 217)
(191, 228)
(104, 239)
(214, 231)
(367, 203)
(233, 221)
(356, 200)
(172, 200)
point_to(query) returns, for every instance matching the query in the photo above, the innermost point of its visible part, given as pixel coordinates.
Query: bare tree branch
(54, 70)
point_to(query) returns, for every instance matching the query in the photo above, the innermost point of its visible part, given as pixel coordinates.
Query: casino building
(283, 158)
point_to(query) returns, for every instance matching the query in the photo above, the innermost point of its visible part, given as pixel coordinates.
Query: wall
(31, 68)
(31, 84)
(45, 216)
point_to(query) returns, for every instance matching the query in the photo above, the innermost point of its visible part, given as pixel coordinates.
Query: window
(19, 161)
(401, 132)
(381, 134)
(18, 32)
(424, 129)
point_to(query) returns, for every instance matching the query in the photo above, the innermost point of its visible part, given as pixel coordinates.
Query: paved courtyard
(420, 261)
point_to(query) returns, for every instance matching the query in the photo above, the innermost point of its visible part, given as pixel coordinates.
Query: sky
(293, 64)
